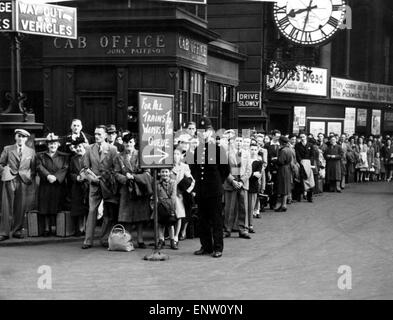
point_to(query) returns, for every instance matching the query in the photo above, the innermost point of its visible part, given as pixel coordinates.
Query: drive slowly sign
(155, 130)
(46, 19)
(6, 16)
(250, 99)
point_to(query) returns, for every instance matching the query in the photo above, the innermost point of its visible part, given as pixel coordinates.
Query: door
(279, 122)
(95, 110)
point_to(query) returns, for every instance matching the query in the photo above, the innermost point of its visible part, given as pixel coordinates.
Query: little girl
(166, 194)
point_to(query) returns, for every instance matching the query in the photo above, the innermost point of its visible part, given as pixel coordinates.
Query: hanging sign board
(45, 19)
(6, 16)
(155, 130)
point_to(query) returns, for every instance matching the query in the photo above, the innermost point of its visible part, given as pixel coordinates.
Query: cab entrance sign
(6, 16)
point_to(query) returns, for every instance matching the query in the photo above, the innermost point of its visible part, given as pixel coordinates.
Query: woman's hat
(77, 141)
(51, 137)
(205, 123)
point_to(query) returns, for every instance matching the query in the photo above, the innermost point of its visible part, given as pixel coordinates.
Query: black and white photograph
(208, 152)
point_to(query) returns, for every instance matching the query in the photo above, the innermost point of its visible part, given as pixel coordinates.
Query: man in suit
(272, 168)
(112, 135)
(76, 133)
(210, 168)
(236, 190)
(17, 169)
(99, 158)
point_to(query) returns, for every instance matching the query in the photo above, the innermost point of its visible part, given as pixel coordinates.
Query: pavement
(298, 254)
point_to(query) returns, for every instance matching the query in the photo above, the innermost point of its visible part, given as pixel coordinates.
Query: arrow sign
(163, 155)
(155, 115)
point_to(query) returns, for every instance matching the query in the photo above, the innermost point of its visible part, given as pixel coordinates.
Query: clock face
(309, 22)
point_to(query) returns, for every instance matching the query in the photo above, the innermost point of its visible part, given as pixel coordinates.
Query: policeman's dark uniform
(209, 170)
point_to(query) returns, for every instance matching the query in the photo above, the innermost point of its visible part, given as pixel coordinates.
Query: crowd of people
(225, 180)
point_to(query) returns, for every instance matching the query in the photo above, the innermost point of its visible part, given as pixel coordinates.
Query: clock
(309, 22)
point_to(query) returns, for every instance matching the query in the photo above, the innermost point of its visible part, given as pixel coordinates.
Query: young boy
(166, 194)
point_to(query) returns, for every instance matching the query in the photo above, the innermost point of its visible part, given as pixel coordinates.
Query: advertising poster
(362, 118)
(299, 119)
(317, 127)
(350, 121)
(376, 122)
(334, 127)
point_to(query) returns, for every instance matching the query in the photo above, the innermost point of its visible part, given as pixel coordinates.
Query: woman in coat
(79, 187)
(135, 190)
(52, 167)
(370, 159)
(284, 175)
(333, 155)
(180, 171)
(362, 164)
(351, 159)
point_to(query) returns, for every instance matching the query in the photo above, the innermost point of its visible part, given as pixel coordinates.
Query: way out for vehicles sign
(6, 16)
(155, 130)
(46, 19)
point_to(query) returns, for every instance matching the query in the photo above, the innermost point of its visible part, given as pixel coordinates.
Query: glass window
(183, 98)
(213, 105)
(196, 96)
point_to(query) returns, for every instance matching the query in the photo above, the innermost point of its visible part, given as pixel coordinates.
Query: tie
(20, 152)
(100, 151)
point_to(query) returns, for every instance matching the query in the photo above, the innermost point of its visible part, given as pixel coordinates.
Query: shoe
(251, 230)
(141, 245)
(18, 235)
(217, 254)
(174, 245)
(78, 234)
(281, 209)
(244, 235)
(46, 233)
(258, 216)
(181, 238)
(105, 244)
(227, 234)
(201, 252)
(86, 246)
(161, 244)
(277, 209)
(338, 190)
(2, 238)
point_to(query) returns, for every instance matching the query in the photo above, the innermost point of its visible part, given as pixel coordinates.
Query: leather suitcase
(35, 224)
(64, 224)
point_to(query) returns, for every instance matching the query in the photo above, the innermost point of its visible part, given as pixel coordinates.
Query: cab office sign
(46, 19)
(6, 21)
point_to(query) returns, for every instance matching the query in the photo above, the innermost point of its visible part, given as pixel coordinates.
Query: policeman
(209, 168)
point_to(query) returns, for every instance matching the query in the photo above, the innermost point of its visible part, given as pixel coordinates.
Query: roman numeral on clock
(284, 22)
(307, 36)
(333, 22)
(336, 7)
(294, 33)
(281, 9)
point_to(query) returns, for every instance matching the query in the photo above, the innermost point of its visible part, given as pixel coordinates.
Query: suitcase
(65, 226)
(35, 224)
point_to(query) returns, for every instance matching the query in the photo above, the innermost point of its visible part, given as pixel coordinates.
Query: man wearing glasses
(17, 169)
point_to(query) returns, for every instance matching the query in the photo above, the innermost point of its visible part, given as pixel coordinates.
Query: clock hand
(308, 14)
(293, 13)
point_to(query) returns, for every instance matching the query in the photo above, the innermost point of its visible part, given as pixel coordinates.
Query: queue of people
(227, 180)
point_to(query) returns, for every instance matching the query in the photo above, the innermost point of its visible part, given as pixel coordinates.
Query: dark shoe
(201, 252)
(2, 238)
(227, 234)
(18, 235)
(161, 244)
(105, 244)
(251, 230)
(181, 238)
(79, 234)
(258, 216)
(244, 235)
(338, 190)
(174, 245)
(86, 246)
(278, 209)
(141, 245)
(217, 254)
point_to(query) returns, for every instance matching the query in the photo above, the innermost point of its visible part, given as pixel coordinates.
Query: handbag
(166, 213)
(120, 240)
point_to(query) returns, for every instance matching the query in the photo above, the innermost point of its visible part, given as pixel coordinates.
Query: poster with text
(350, 121)
(362, 118)
(376, 122)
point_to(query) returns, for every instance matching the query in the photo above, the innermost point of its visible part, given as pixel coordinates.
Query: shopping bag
(120, 240)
